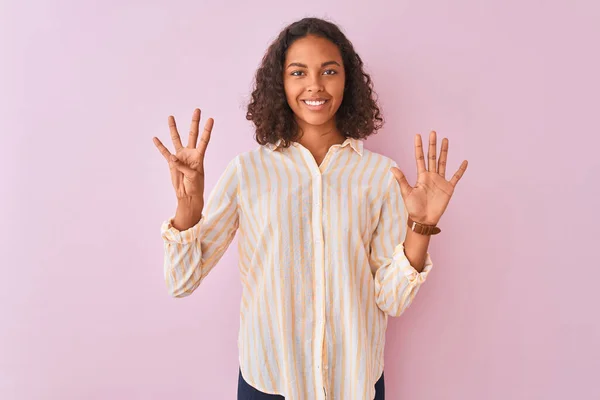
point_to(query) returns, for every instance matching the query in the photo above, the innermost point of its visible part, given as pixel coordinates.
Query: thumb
(176, 163)
(405, 188)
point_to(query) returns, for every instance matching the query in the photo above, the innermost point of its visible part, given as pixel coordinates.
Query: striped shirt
(321, 262)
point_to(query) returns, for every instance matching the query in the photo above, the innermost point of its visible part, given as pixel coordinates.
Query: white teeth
(314, 103)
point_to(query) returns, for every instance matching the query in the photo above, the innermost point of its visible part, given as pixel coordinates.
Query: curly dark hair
(357, 117)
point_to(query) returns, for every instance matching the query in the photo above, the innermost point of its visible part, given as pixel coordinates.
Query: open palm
(429, 198)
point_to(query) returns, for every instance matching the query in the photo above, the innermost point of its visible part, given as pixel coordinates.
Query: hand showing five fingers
(187, 164)
(427, 201)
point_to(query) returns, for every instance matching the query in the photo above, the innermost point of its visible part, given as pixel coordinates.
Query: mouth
(315, 105)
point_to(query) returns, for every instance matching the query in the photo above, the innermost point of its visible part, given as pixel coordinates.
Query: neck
(318, 139)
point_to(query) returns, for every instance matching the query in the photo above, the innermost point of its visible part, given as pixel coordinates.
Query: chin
(316, 120)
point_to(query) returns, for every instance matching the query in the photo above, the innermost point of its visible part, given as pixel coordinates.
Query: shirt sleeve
(396, 281)
(191, 254)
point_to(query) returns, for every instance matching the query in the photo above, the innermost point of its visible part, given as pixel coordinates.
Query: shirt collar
(357, 145)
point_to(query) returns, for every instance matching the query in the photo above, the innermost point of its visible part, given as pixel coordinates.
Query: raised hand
(187, 164)
(427, 201)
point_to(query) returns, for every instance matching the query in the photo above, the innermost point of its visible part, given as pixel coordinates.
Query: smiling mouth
(314, 103)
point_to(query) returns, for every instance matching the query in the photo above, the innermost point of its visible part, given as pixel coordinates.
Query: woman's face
(313, 79)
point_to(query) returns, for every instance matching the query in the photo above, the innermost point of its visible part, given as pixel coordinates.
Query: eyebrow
(296, 64)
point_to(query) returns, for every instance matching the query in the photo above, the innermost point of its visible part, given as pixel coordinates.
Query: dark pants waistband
(247, 392)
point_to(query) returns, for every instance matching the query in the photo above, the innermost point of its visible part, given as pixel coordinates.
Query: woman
(332, 238)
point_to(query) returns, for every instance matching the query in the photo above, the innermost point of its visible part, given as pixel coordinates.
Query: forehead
(313, 48)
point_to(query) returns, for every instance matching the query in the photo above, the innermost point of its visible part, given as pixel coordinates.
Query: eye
(333, 72)
(296, 73)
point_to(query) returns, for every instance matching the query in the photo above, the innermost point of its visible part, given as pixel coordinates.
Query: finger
(205, 136)
(443, 158)
(459, 173)
(431, 156)
(174, 134)
(161, 147)
(419, 154)
(176, 174)
(405, 188)
(174, 162)
(193, 137)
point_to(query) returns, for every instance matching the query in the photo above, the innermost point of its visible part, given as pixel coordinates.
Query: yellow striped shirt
(321, 262)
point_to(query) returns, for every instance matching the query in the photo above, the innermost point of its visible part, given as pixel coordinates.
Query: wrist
(190, 204)
(423, 221)
(188, 214)
(426, 229)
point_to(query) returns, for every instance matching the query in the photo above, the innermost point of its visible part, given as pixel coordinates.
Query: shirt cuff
(170, 234)
(408, 270)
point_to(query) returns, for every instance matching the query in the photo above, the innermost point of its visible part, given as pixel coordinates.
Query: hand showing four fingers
(187, 164)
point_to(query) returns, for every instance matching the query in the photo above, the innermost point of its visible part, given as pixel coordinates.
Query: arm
(192, 253)
(415, 248)
(397, 280)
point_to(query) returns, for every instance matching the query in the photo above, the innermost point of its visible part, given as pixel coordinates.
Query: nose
(315, 84)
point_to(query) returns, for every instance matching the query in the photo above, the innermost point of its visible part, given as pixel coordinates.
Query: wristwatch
(422, 229)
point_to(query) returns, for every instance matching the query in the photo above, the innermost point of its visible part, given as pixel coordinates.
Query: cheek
(337, 91)
(291, 92)
(337, 88)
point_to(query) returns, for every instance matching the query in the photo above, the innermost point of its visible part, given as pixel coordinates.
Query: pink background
(511, 308)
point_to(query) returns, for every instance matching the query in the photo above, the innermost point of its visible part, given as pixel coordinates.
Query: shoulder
(253, 159)
(378, 161)
(258, 151)
(258, 158)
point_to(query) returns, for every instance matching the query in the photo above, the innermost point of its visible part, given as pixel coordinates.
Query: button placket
(319, 270)
(319, 259)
